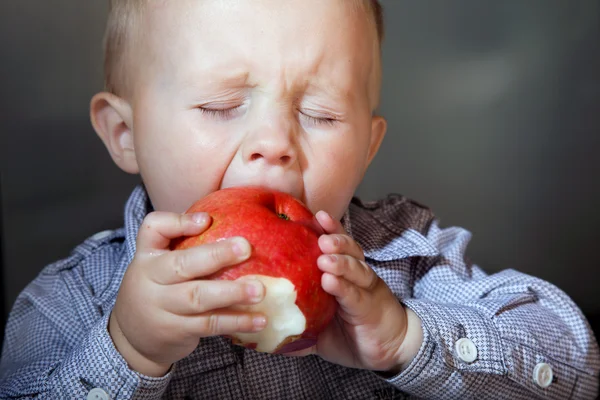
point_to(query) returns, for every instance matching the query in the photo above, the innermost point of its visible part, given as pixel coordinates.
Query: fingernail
(336, 240)
(259, 322)
(255, 291)
(199, 218)
(240, 247)
(332, 258)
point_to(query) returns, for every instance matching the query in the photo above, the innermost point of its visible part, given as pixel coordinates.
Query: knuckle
(180, 264)
(334, 263)
(369, 277)
(183, 221)
(238, 322)
(220, 253)
(341, 264)
(180, 221)
(373, 280)
(197, 296)
(212, 324)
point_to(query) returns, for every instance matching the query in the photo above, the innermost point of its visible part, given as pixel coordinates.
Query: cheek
(179, 162)
(334, 174)
(344, 155)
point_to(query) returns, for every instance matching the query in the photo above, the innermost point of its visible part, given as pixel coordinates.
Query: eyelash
(226, 114)
(319, 121)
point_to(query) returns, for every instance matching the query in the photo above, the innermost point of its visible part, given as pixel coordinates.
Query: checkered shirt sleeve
(57, 344)
(515, 321)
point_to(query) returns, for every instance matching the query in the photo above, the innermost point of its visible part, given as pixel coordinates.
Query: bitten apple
(284, 236)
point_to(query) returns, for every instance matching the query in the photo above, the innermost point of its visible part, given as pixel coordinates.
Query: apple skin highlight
(284, 237)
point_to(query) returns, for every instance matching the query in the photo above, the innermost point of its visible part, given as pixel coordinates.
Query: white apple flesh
(284, 318)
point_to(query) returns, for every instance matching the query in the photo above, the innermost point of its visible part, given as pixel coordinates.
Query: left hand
(370, 325)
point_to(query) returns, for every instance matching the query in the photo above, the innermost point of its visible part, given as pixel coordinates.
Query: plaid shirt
(501, 336)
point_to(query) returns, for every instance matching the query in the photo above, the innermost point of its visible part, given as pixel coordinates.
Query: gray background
(493, 112)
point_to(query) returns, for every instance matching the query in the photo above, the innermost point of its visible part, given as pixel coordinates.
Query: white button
(543, 375)
(466, 350)
(101, 235)
(97, 394)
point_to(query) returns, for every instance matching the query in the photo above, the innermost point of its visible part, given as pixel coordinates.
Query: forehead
(344, 8)
(195, 37)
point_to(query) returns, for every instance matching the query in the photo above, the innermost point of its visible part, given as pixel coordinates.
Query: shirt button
(97, 394)
(466, 350)
(543, 375)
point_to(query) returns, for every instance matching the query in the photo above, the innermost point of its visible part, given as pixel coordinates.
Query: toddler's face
(255, 92)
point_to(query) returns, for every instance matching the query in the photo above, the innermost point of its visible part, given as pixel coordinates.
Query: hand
(371, 328)
(164, 307)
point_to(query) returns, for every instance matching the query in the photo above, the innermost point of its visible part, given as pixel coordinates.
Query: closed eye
(319, 120)
(221, 113)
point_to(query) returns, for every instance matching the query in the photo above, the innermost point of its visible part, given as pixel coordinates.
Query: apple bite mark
(285, 320)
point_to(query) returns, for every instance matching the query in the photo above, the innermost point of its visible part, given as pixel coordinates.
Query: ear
(378, 129)
(112, 118)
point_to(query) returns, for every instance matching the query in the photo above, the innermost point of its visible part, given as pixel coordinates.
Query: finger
(200, 261)
(197, 297)
(224, 323)
(158, 228)
(340, 244)
(350, 298)
(347, 267)
(328, 223)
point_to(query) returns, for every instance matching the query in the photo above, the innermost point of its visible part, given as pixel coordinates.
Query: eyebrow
(202, 78)
(228, 80)
(335, 91)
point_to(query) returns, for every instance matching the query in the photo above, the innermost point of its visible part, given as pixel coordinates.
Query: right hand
(164, 306)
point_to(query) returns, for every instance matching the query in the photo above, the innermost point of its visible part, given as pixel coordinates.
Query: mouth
(294, 190)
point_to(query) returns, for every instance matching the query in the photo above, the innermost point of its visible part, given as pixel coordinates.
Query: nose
(271, 144)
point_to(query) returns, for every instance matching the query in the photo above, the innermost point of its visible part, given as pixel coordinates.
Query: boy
(207, 94)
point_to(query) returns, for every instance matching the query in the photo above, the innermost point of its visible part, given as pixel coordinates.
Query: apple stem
(283, 216)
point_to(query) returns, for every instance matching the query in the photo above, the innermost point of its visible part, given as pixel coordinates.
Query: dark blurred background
(494, 122)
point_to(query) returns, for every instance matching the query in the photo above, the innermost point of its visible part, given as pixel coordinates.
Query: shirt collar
(389, 229)
(137, 207)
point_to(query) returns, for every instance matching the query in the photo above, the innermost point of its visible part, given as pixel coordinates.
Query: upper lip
(278, 186)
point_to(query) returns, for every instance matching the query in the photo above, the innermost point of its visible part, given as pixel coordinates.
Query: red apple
(283, 234)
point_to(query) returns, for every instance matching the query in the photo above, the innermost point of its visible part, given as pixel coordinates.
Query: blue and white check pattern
(57, 345)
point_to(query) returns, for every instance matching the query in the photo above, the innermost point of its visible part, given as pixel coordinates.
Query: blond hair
(121, 35)
(124, 17)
